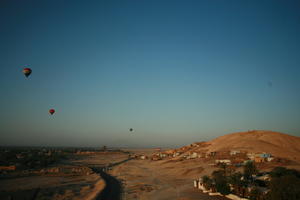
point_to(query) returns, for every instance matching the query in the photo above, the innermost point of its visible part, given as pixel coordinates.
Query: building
(155, 158)
(225, 161)
(259, 159)
(162, 155)
(265, 177)
(196, 144)
(8, 168)
(19, 156)
(85, 152)
(170, 152)
(270, 159)
(176, 154)
(265, 155)
(193, 155)
(211, 154)
(251, 156)
(234, 152)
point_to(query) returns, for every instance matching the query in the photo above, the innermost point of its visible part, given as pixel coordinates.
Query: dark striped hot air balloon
(27, 71)
(51, 111)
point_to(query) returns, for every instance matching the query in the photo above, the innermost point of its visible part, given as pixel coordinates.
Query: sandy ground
(60, 187)
(99, 159)
(161, 180)
(154, 180)
(142, 179)
(78, 187)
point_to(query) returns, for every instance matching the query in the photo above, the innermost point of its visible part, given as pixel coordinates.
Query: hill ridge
(256, 141)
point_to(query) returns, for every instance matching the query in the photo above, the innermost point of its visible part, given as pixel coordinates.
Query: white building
(270, 159)
(234, 152)
(225, 161)
(193, 155)
(251, 156)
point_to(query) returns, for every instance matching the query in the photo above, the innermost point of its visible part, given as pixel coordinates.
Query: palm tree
(207, 182)
(238, 184)
(235, 180)
(249, 170)
(221, 182)
(255, 194)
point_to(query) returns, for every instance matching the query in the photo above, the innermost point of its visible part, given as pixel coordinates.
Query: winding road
(113, 188)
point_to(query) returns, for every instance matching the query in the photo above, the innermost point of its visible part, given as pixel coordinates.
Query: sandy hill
(278, 144)
(257, 141)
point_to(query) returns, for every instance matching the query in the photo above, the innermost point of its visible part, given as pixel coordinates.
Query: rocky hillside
(278, 144)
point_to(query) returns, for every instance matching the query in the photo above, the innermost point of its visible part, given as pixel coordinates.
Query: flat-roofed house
(225, 161)
(259, 159)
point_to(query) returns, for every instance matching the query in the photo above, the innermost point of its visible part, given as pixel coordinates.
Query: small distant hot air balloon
(27, 71)
(51, 111)
(131, 129)
(270, 84)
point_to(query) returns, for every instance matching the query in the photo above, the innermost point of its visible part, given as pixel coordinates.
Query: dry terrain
(59, 185)
(54, 187)
(172, 177)
(278, 144)
(165, 179)
(146, 179)
(169, 178)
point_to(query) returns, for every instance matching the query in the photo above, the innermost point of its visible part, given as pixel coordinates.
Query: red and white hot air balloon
(27, 71)
(51, 111)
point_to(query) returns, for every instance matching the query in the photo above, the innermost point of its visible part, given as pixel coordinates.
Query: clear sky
(175, 71)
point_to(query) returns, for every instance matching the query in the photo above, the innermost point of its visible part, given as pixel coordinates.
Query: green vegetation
(250, 170)
(221, 182)
(284, 184)
(30, 158)
(207, 181)
(255, 194)
(237, 183)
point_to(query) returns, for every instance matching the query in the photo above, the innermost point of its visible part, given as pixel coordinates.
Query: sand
(159, 180)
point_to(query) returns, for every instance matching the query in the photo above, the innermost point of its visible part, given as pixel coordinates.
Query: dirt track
(113, 188)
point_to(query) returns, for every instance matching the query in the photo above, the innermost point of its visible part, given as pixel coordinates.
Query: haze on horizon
(175, 71)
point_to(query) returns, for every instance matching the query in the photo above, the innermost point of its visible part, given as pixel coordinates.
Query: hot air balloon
(51, 111)
(27, 71)
(270, 84)
(131, 129)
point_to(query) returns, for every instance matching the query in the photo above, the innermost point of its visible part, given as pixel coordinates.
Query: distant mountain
(278, 144)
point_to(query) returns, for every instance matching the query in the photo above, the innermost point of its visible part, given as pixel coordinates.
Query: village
(18, 162)
(235, 158)
(233, 174)
(232, 162)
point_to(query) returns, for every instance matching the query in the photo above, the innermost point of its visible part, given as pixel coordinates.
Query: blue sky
(175, 71)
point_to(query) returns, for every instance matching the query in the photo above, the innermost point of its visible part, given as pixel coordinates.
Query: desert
(154, 173)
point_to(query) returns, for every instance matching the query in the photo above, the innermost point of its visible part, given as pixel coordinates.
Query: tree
(286, 187)
(205, 178)
(282, 171)
(104, 148)
(249, 170)
(227, 169)
(255, 194)
(223, 166)
(221, 182)
(207, 182)
(236, 182)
